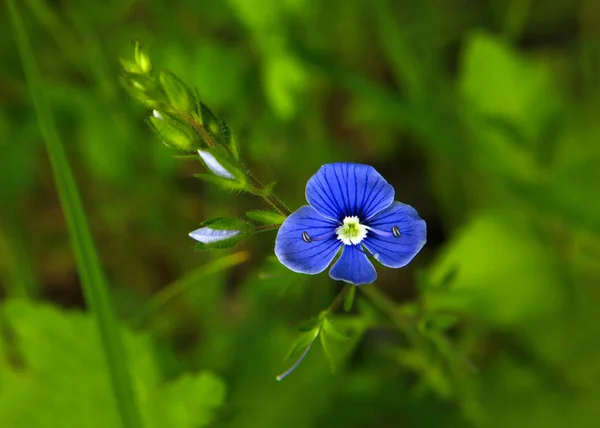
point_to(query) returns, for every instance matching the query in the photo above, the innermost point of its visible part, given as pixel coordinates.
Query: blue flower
(351, 208)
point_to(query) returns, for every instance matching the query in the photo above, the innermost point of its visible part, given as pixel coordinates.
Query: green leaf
(303, 342)
(64, 376)
(334, 333)
(338, 345)
(439, 322)
(526, 288)
(210, 241)
(174, 132)
(309, 325)
(266, 217)
(501, 85)
(349, 299)
(189, 402)
(177, 92)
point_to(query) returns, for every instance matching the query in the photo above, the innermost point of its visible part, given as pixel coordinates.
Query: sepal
(178, 94)
(174, 132)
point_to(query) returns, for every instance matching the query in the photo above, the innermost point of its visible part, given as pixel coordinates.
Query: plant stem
(270, 198)
(393, 311)
(92, 278)
(179, 286)
(266, 228)
(339, 298)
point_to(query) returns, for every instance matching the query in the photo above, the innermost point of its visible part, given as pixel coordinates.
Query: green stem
(267, 228)
(176, 288)
(92, 278)
(271, 199)
(339, 298)
(259, 188)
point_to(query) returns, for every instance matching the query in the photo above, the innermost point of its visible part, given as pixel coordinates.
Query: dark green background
(484, 115)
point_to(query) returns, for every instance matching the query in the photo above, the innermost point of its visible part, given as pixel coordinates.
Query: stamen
(396, 232)
(306, 237)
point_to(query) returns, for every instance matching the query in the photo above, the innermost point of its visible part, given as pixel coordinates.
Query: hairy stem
(339, 298)
(270, 198)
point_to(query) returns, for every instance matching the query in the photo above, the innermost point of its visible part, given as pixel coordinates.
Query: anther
(306, 237)
(396, 232)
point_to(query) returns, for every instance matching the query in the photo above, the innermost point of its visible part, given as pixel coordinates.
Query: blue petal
(354, 267)
(345, 189)
(307, 257)
(386, 248)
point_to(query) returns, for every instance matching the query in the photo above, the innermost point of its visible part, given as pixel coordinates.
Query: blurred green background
(483, 114)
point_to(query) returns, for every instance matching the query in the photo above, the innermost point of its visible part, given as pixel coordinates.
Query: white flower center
(351, 232)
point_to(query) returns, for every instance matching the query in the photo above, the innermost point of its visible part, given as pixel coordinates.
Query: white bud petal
(214, 165)
(206, 235)
(156, 114)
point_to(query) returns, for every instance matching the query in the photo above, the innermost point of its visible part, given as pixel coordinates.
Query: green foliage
(88, 265)
(62, 376)
(484, 118)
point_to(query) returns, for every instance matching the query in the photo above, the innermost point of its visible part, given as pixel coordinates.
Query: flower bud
(221, 233)
(213, 164)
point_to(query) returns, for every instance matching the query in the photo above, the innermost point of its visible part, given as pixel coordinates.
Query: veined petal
(396, 248)
(354, 267)
(306, 241)
(344, 189)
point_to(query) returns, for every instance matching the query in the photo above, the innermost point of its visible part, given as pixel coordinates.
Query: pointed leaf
(303, 342)
(309, 325)
(334, 333)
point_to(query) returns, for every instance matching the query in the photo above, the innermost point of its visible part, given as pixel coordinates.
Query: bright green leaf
(309, 325)
(333, 332)
(303, 342)
(64, 376)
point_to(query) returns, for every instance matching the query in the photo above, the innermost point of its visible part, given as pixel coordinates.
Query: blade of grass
(92, 278)
(179, 286)
(20, 279)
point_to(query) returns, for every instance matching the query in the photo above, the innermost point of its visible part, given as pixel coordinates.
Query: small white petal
(206, 235)
(214, 165)
(156, 114)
